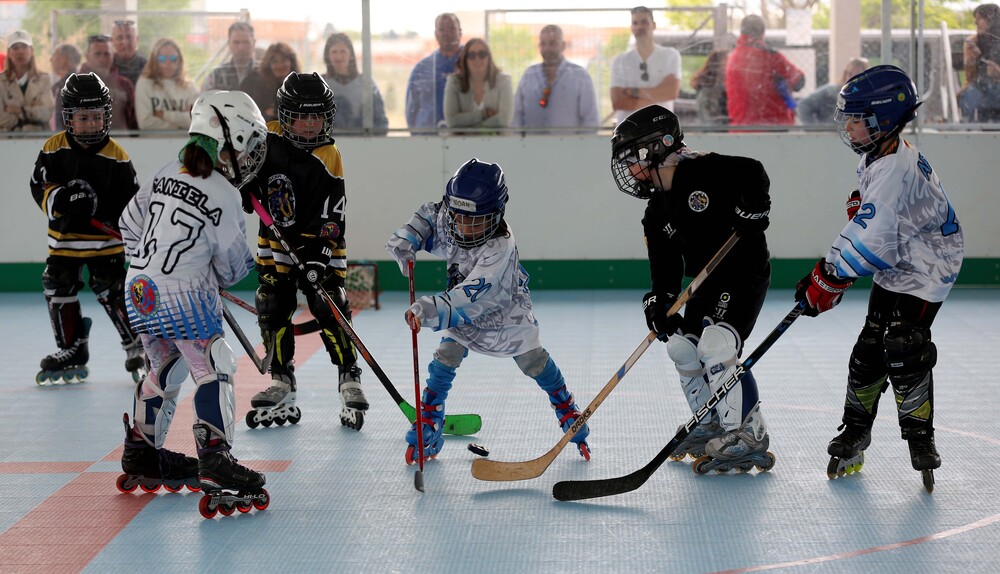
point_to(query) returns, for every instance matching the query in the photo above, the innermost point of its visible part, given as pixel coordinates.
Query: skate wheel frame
(928, 478)
(839, 467)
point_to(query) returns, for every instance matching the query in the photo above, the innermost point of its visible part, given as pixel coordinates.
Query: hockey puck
(478, 449)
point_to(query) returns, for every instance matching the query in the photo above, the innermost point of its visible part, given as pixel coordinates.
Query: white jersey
(186, 238)
(906, 233)
(487, 307)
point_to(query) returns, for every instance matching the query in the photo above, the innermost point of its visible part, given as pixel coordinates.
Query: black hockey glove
(751, 216)
(655, 307)
(317, 265)
(76, 199)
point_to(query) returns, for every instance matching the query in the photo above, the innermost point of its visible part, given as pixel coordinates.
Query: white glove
(402, 251)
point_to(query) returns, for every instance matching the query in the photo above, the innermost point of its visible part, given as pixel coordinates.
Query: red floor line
(86, 514)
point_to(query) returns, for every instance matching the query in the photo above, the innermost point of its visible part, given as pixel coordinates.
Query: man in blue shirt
(425, 90)
(555, 93)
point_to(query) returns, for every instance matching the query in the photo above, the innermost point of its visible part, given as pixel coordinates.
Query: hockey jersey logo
(281, 200)
(698, 201)
(145, 296)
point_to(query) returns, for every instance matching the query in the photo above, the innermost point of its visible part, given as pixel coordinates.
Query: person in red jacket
(759, 80)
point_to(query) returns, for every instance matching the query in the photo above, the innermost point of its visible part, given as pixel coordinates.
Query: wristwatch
(633, 92)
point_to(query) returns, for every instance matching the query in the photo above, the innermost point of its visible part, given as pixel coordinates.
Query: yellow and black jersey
(107, 169)
(303, 190)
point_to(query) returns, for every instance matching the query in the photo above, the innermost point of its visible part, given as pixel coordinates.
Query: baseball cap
(18, 37)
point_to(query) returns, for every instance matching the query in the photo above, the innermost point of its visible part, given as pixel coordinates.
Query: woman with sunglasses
(164, 95)
(478, 94)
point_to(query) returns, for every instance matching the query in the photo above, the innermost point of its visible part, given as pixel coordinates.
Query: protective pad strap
(214, 400)
(156, 399)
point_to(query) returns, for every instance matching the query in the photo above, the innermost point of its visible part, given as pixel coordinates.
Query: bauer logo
(144, 294)
(698, 201)
(461, 203)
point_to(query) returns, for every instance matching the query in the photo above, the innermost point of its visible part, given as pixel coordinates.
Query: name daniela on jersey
(189, 195)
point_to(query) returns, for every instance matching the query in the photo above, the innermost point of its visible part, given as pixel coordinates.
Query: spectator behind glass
(65, 60)
(231, 74)
(98, 60)
(345, 80)
(709, 83)
(759, 80)
(262, 84)
(127, 60)
(425, 90)
(819, 106)
(555, 93)
(164, 95)
(26, 92)
(647, 74)
(478, 94)
(980, 97)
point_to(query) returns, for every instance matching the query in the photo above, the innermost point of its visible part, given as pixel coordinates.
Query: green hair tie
(210, 145)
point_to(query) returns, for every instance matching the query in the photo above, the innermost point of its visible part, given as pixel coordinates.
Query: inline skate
(352, 398)
(741, 449)
(67, 365)
(847, 450)
(150, 468)
(925, 458)
(228, 485)
(276, 404)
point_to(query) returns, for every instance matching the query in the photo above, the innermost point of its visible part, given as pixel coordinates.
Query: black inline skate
(847, 450)
(275, 404)
(150, 468)
(68, 365)
(220, 474)
(135, 359)
(925, 458)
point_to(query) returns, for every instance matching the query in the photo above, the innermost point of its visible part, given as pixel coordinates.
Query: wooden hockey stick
(418, 478)
(496, 470)
(459, 424)
(583, 489)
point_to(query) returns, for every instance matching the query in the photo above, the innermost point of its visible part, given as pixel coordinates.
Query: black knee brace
(62, 283)
(866, 378)
(107, 279)
(275, 306)
(911, 355)
(335, 339)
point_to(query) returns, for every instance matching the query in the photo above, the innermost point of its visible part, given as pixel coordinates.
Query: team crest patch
(668, 140)
(330, 230)
(145, 296)
(281, 200)
(698, 201)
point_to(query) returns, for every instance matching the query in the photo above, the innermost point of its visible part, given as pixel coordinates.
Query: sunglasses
(97, 38)
(163, 58)
(645, 72)
(124, 23)
(544, 102)
(477, 55)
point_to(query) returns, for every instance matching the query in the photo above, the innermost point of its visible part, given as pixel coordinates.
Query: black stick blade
(418, 481)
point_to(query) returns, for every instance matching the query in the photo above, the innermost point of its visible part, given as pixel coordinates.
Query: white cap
(18, 37)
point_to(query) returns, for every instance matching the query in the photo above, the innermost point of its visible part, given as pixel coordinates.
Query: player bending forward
(903, 231)
(695, 203)
(186, 237)
(486, 308)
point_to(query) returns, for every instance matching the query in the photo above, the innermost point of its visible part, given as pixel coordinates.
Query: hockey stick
(458, 425)
(582, 489)
(485, 469)
(304, 328)
(418, 478)
(262, 364)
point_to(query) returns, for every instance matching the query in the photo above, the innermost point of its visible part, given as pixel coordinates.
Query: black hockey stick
(304, 328)
(460, 424)
(583, 489)
(497, 470)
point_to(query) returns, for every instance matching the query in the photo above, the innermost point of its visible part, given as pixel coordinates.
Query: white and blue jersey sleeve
(905, 234)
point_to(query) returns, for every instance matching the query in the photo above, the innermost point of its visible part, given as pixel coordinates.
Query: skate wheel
(203, 507)
(193, 488)
(261, 503)
(831, 468)
(410, 451)
(227, 509)
(149, 489)
(172, 488)
(584, 450)
(267, 422)
(121, 484)
(251, 419)
(135, 376)
(243, 506)
(928, 476)
(771, 459)
(280, 421)
(42, 378)
(79, 375)
(677, 457)
(700, 465)
(478, 449)
(296, 416)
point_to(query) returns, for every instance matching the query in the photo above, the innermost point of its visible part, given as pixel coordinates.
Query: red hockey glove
(821, 289)
(853, 204)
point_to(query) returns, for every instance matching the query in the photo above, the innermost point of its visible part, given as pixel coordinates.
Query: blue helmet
(883, 98)
(475, 197)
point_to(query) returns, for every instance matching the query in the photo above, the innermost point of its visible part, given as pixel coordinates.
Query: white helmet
(235, 121)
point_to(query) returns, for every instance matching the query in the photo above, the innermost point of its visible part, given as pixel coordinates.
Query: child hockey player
(487, 307)
(302, 186)
(902, 230)
(695, 201)
(186, 238)
(81, 175)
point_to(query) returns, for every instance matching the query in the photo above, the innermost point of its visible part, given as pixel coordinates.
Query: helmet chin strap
(228, 146)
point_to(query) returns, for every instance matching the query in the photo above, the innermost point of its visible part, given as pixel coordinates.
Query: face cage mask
(629, 163)
(87, 139)
(870, 143)
(489, 224)
(249, 161)
(286, 117)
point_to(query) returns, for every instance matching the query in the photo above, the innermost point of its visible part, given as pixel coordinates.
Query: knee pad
(66, 319)
(911, 355)
(718, 349)
(866, 376)
(320, 307)
(60, 280)
(450, 353)
(214, 400)
(156, 399)
(683, 351)
(533, 362)
(274, 307)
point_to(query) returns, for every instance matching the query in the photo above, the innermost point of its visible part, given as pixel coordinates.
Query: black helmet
(645, 138)
(85, 92)
(301, 96)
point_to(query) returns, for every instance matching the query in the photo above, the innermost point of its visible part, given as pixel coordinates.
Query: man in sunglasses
(647, 74)
(556, 93)
(127, 60)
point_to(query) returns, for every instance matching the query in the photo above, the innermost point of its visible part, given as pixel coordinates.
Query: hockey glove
(76, 199)
(655, 307)
(402, 251)
(751, 216)
(853, 204)
(317, 264)
(821, 289)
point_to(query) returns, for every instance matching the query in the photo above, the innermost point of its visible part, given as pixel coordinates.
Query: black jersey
(108, 170)
(304, 193)
(686, 226)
